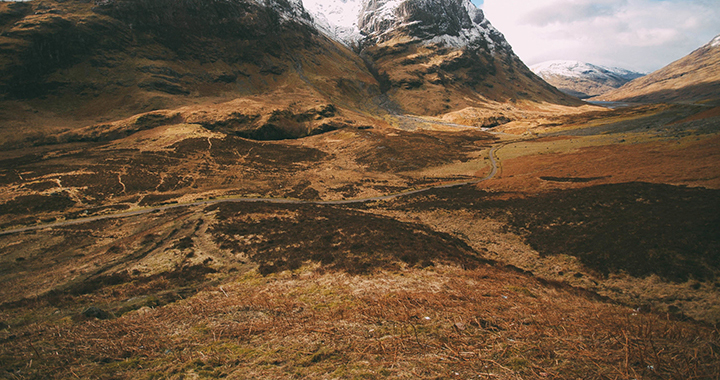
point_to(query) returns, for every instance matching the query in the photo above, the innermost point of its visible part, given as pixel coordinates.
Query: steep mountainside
(235, 189)
(694, 78)
(76, 63)
(337, 18)
(435, 57)
(72, 64)
(583, 80)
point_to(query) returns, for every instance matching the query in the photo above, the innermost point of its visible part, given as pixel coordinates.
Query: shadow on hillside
(703, 92)
(637, 228)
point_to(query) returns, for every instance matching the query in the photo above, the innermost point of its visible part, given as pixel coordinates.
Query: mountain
(76, 63)
(583, 80)
(434, 57)
(337, 18)
(694, 78)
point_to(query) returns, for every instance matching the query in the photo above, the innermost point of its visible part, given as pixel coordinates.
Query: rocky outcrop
(443, 56)
(457, 23)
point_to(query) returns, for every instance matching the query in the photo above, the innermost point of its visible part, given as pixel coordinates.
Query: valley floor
(584, 246)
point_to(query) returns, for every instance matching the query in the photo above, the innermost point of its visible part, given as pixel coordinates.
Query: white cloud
(636, 34)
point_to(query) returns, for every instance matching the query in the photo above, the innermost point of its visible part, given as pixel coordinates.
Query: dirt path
(493, 172)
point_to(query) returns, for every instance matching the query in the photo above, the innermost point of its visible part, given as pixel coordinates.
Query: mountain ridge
(434, 57)
(694, 78)
(75, 63)
(581, 79)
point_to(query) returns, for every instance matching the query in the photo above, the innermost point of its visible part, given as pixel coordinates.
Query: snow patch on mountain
(289, 10)
(715, 42)
(576, 69)
(336, 18)
(480, 29)
(352, 21)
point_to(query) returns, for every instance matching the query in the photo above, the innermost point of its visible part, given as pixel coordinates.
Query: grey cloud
(572, 11)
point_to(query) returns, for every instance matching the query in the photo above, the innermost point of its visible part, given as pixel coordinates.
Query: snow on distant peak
(577, 69)
(715, 42)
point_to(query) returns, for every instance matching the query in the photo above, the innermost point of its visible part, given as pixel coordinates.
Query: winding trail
(491, 175)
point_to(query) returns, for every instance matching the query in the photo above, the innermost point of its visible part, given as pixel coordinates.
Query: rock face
(111, 59)
(694, 78)
(433, 57)
(583, 80)
(369, 22)
(457, 23)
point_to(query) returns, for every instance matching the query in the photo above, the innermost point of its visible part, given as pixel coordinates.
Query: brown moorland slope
(694, 78)
(501, 280)
(72, 64)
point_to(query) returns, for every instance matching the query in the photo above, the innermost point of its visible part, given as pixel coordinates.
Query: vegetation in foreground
(440, 322)
(507, 279)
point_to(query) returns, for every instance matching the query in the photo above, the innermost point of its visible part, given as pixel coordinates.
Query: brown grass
(430, 324)
(690, 161)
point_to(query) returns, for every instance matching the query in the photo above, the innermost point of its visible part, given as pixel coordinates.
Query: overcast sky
(642, 35)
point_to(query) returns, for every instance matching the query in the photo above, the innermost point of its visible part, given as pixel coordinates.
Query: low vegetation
(577, 260)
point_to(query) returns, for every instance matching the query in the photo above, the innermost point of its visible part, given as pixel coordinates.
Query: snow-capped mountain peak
(336, 18)
(715, 42)
(456, 23)
(583, 79)
(576, 69)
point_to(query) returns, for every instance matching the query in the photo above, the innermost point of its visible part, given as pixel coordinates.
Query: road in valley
(493, 172)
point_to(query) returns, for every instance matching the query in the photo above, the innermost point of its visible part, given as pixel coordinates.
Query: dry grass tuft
(430, 324)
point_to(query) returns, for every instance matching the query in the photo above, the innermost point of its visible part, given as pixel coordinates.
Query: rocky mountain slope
(72, 64)
(583, 80)
(434, 57)
(76, 63)
(694, 78)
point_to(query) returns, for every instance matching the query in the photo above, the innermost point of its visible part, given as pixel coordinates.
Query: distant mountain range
(692, 79)
(583, 80)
